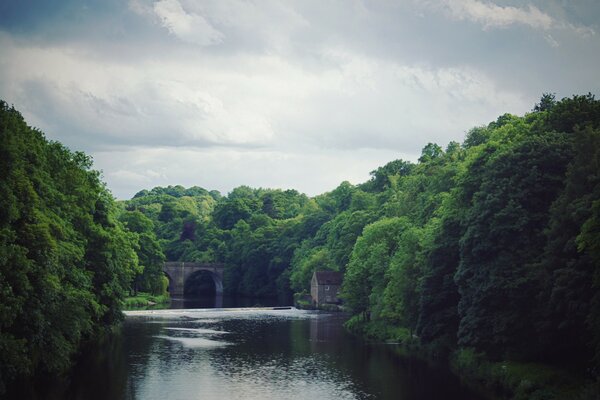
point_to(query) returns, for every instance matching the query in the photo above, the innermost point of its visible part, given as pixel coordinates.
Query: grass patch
(330, 307)
(144, 300)
(378, 331)
(304, 305)
(303, 301)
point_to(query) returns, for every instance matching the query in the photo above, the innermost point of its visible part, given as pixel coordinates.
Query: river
(247, 353)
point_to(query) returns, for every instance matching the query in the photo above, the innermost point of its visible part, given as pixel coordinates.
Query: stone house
(325, 287)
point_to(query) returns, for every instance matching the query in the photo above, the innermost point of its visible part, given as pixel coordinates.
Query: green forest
(485, 252)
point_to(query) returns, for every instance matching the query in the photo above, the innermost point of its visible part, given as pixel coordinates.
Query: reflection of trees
(102, 370)
(277, 354)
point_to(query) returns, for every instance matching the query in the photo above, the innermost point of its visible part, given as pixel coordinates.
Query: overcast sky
(282, 94)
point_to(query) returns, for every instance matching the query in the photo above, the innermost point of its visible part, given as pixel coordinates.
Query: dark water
(247, 354)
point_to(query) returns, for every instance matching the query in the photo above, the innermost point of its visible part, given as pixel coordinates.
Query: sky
(282, 94)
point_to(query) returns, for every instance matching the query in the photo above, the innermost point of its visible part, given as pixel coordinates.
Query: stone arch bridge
(178, 273)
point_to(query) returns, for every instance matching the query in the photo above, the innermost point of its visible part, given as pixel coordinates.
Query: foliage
(365, 279)
(66, 261)
(503, 238)
(144, 300)
(499, 248)
(517, 380)
(149, 275)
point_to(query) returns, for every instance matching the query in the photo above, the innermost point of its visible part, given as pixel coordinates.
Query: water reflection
(277, 355)
(248, 354)
(266, 357)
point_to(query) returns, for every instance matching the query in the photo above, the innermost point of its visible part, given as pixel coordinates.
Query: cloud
(491, 15)
(189, 27)
(380, 104)
(551, 41)
(306, 94)
(250, 101)
(168, 102)
(224, 169)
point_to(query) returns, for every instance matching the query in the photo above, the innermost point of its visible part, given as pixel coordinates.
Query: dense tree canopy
(499, 251)
(65, 259)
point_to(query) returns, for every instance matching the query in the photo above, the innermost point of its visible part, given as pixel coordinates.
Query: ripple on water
(195, 342)
(237, 372)
(303, 378)
(200, 331)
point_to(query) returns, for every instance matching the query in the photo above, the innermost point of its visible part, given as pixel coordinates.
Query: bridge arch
(179, 272)
(203, 282)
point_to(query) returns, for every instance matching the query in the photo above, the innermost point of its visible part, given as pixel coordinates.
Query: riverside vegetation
(485, 253)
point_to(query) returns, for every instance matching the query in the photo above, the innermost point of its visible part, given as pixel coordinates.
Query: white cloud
(551, 41)
(369, 103)
(300, 94)
(223, 169)
(189, 27)
(174, 102)
(250, 101)
(491, 15)
(582, 31)
(256, 119)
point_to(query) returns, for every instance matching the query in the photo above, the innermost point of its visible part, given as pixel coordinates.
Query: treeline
(271, 240)
(253, 231)
(66, 261)
(491, 244)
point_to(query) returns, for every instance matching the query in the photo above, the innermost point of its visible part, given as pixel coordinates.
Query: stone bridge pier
(178, 273)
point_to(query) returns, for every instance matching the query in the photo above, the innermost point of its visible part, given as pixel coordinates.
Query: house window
(326, 287)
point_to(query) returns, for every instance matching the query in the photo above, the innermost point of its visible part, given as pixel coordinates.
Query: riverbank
(521, 380)
(500, 380)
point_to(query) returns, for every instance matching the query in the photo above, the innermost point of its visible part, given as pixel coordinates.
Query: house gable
(325, 286)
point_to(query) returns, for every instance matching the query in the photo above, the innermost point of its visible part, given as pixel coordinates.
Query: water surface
(248, 354)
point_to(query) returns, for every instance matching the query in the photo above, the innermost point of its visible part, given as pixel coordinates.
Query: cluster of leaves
(149, 276)
(65, 259)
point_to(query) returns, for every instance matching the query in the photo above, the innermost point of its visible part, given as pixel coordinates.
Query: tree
(318, 258)
(380, 178)
(365, 278)
(503, 238)
(149, 275)
(547, 102)
(438, 312)
(570, 257)
(65, 260)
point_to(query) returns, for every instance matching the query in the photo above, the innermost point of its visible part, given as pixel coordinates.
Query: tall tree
(503, 238)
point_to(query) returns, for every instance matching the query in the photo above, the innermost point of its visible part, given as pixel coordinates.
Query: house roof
(329, 277)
